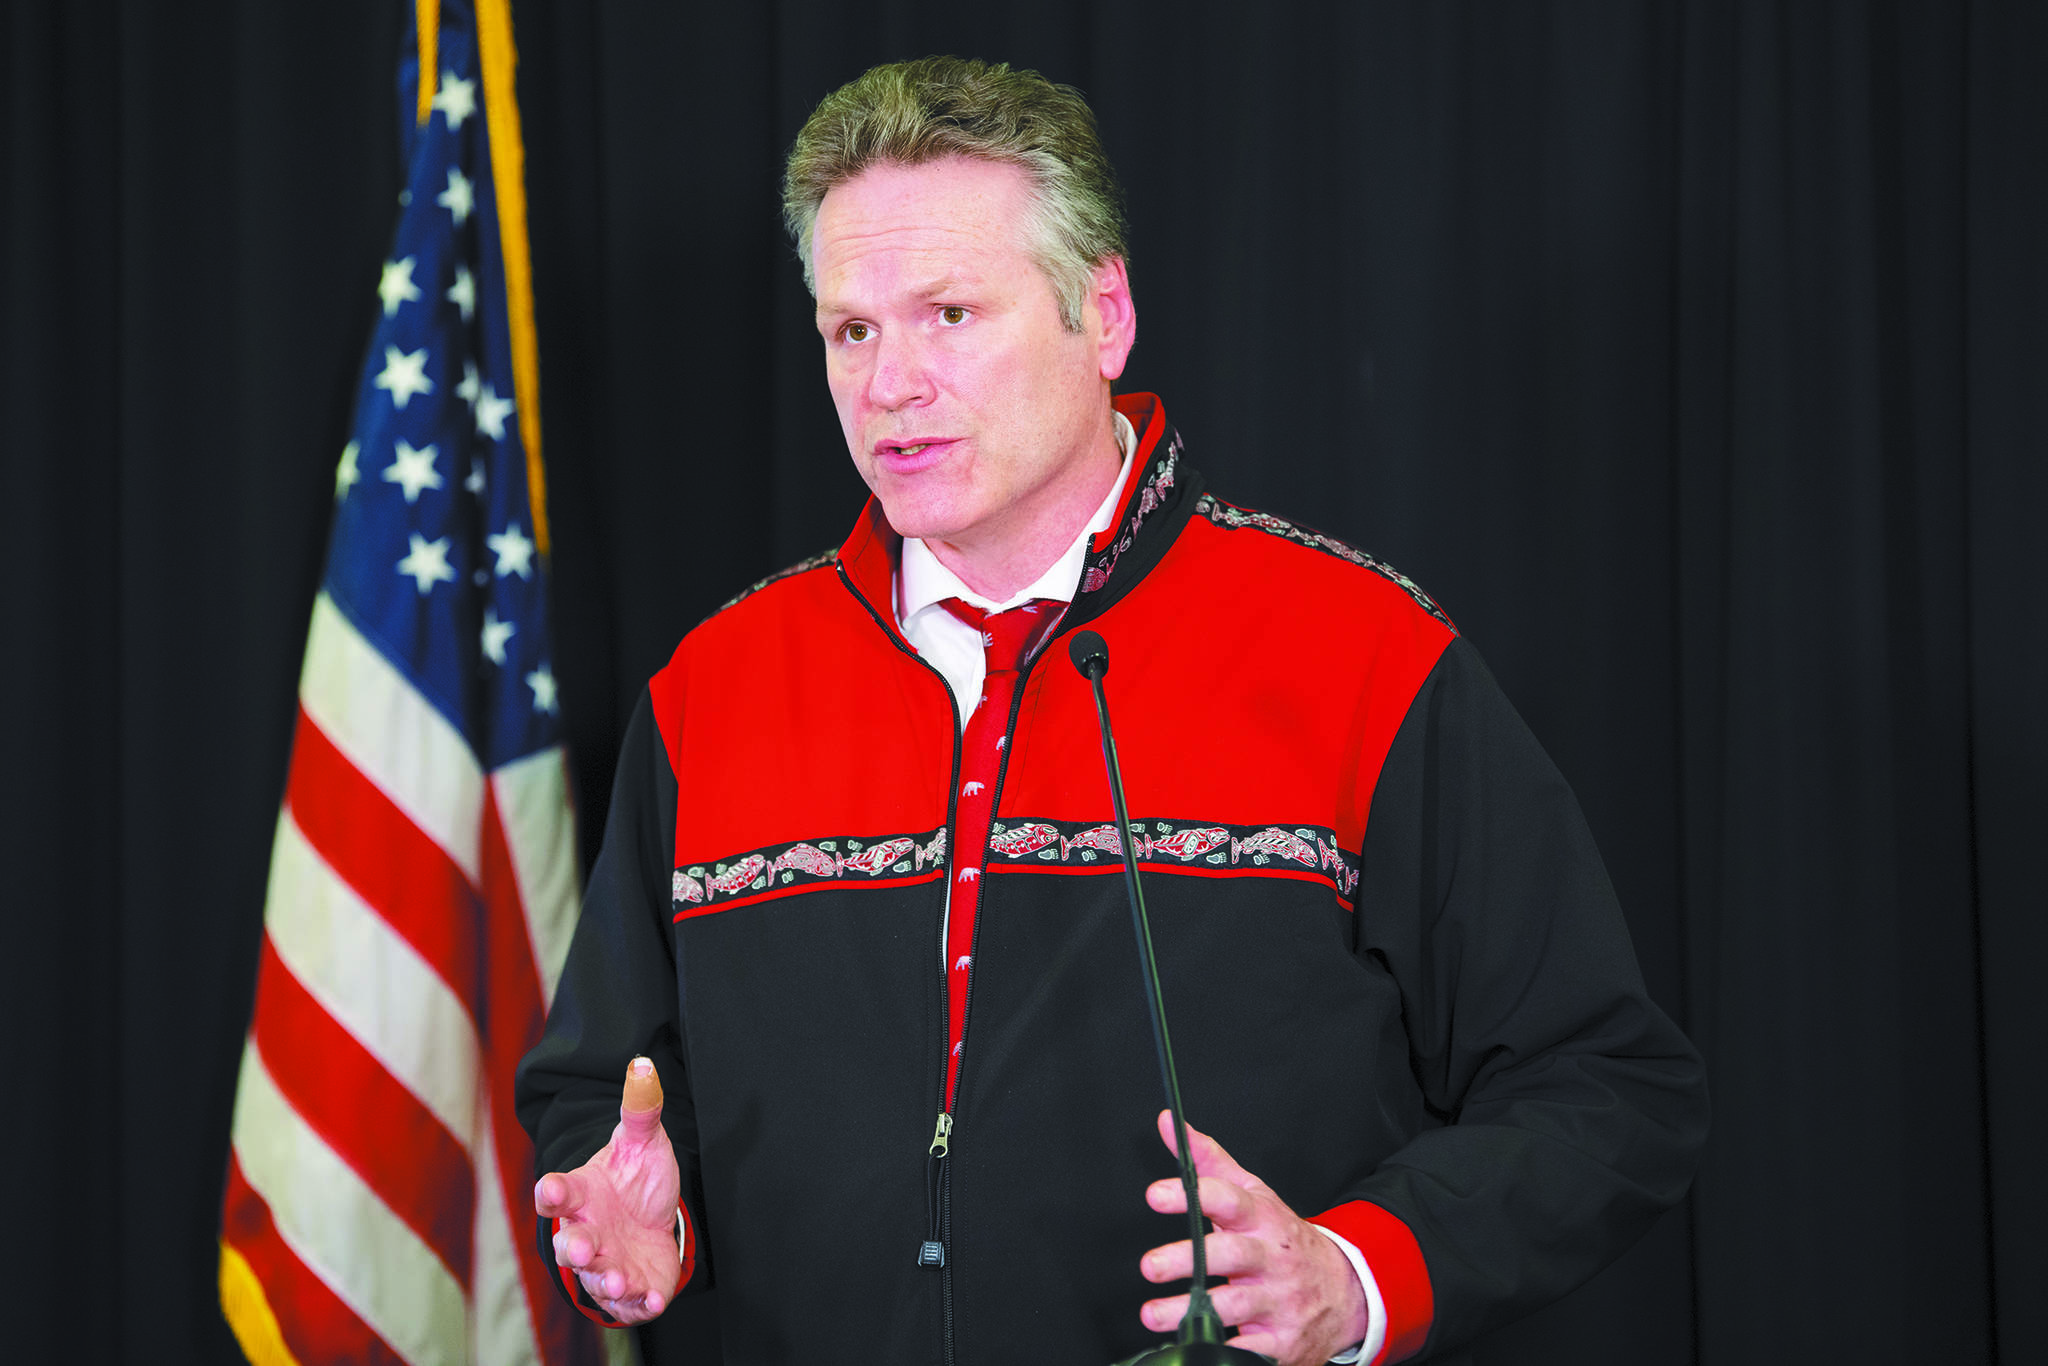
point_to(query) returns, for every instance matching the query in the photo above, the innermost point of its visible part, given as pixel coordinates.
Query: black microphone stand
(1200, 1341)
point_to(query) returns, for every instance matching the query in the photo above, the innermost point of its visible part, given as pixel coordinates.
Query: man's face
(968, 408)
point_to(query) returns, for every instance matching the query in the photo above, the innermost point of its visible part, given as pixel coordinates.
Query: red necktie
(1006, 638)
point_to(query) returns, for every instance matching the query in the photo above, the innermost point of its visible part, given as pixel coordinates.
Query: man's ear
(1116, 316)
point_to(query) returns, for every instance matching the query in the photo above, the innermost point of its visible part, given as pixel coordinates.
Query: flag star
(514, 551)
(463, 294)
(496, 633)
(404, 375)
(471, 385)
(412, 471)
(475, 482)
(542, 681)
(491, 412)
(459, 198)
(427, 563)
(455, 98)
(395, 286)
(346, 474)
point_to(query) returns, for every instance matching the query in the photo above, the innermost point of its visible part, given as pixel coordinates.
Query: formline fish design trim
(1205, 846)
(850, 859)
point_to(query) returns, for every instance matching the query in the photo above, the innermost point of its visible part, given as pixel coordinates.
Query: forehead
(959, 214)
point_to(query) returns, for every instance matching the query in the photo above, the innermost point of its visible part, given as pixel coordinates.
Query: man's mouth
(912, 454)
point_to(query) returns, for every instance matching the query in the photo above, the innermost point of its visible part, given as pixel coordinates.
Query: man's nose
(901, 376)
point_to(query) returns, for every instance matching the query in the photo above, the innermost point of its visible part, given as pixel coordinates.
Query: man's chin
(916, 518)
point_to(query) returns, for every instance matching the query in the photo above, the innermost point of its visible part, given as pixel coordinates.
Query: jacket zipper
(945, 1175)
(932, 1252)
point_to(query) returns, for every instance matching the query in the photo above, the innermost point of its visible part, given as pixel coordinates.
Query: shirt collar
(921, 581)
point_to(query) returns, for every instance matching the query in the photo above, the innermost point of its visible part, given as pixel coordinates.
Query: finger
(1243, 1306)
(1229, 1254)
(1209, 1157)
(640, 1101)
(1234, 1305)
(576, 1247)
(558, 1195)
(634, 1309)
(1163, 1316)
(603, 1288)
(608, 1291)
(1227, 1204)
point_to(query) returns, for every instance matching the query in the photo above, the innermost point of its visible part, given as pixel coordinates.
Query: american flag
(423, 882)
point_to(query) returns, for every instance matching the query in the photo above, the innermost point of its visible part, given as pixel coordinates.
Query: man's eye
(953, 314)
(855, 332)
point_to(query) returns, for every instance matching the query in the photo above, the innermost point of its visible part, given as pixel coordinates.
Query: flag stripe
(371, 1122)
(504, 1312)
(371, 980)
(384, 726)
(315, 1325)
(386, 860)
(341, 1231)
(517, 1013)
(531, 795)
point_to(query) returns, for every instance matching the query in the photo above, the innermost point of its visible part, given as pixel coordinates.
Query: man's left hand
(1292, 1294)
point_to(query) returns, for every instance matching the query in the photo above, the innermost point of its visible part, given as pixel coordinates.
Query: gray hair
(910, 113)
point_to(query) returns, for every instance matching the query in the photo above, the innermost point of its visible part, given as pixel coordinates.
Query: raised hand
(616, 1214)
(1292, 1294)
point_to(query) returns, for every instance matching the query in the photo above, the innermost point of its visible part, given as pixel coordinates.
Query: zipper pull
(932, 1251)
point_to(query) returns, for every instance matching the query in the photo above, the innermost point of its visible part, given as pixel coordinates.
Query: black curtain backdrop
(1693, 354)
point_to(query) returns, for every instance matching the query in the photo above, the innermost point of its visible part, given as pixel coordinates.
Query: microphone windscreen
(1089, 654)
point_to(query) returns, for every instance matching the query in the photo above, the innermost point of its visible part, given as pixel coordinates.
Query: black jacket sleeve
(1569, 1109)
(617, 996)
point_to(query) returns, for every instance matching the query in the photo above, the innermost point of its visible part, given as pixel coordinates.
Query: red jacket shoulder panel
(766, 707)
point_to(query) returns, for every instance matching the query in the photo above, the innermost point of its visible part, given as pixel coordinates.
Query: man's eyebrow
(932, 289)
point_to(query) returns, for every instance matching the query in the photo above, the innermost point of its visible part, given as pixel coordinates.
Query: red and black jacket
(1400, 988)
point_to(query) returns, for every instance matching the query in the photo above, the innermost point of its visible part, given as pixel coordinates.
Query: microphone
(1200, 1341)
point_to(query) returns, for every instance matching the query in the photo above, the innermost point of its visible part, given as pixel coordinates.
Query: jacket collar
(1159, 494)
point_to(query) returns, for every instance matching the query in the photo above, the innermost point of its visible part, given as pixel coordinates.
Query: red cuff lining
(689, 1252)
(1395, 1258)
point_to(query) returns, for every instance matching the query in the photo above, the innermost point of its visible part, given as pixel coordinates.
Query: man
(859, 911)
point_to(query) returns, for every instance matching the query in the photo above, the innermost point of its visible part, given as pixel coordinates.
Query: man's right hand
(616, 1214)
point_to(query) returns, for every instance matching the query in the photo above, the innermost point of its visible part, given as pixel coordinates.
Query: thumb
(1208, 1155)
(640, 1102)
